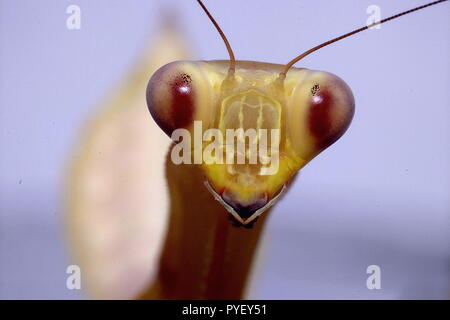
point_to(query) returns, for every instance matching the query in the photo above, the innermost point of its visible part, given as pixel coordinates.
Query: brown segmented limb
(204, 255)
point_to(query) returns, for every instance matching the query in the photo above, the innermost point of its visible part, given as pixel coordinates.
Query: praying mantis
(210, 245)
(312, 109)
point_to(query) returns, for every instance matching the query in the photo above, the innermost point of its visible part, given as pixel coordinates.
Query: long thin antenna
(304, 54)
(232, 68)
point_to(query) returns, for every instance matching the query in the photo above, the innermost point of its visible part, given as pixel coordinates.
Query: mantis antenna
(232, 68)
(306, 53)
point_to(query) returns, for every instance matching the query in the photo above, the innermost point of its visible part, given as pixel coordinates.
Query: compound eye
(173, 96)
(324, 105)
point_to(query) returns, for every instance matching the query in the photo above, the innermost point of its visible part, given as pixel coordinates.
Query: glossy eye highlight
(320, 111)
(171, 98)
(331, 111)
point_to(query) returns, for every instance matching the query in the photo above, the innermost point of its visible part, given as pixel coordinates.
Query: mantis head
(251, 125)
(252, 131)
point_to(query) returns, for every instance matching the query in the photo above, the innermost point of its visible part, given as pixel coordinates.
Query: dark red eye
(170, 98)
(331, 110)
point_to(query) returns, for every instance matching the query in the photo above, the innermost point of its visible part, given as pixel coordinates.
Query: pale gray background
(379, 196)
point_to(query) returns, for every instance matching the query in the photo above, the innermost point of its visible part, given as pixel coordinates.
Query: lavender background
(378, 196)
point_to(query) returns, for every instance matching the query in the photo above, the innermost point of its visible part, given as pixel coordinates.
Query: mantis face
(254, 124)
(250, 132)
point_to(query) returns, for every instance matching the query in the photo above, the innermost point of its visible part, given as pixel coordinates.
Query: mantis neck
(204, 255)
